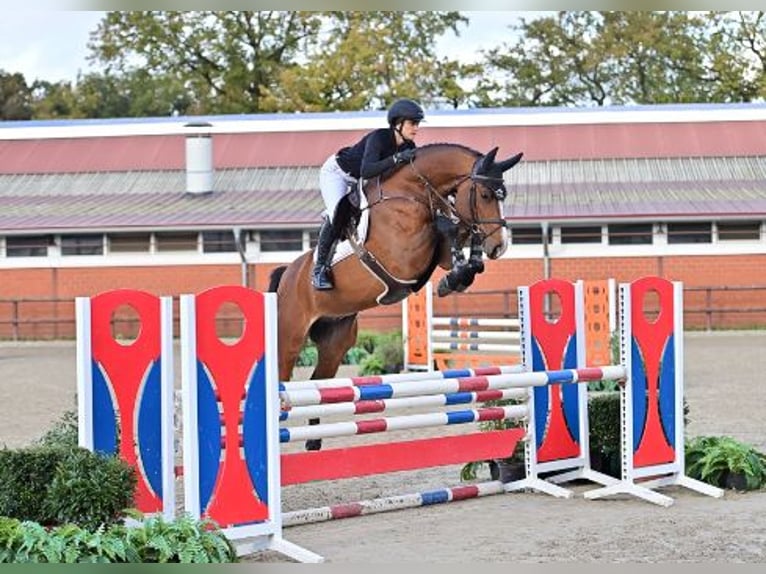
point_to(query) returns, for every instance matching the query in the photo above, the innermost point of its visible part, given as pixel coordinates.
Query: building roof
(653, 162)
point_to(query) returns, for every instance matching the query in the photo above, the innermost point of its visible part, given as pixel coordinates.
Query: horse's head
(479, 202)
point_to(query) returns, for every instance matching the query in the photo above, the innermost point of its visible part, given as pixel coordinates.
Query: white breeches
(333, 183)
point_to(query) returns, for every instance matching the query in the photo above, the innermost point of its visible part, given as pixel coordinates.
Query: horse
(420, 214)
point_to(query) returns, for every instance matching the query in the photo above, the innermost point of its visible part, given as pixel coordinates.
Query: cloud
(46, 45)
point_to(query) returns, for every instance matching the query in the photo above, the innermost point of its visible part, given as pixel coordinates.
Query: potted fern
(506, 469)
(725, 462)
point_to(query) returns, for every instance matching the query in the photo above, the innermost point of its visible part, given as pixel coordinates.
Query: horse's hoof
(314, 444)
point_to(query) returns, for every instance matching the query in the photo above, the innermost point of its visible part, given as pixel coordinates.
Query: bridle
(445, 203)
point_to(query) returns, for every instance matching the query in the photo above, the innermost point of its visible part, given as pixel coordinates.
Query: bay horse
(445, 186)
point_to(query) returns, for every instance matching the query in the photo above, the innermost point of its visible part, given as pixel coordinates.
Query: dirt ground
(725, 393)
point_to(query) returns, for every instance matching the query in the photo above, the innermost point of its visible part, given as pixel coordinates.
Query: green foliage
(152, 540)
(604, 438)
(609, 384)
(718, 459)
(355, 355)
(90, 489)
(604, 422)
(182, 540)
(469, 470)
(371, 365)
(24, 478)
(387, 355)
(160, 63)
(55, 485)
(308, 356)
(63, 433)
(367, 340)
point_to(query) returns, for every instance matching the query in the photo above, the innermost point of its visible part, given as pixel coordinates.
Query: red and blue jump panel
(554, 346)
(655, 399)
(231, 457)
(125, 390)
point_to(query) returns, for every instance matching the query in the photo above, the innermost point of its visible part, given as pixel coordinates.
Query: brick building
(176, 205)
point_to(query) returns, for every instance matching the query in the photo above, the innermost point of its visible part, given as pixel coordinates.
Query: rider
(379, 150)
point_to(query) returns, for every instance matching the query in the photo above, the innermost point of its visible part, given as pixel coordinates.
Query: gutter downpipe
(237, 231)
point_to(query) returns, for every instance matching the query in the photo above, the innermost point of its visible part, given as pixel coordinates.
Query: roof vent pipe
(199, 158)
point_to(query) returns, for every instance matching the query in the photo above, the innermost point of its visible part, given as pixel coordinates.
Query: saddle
(348, 216)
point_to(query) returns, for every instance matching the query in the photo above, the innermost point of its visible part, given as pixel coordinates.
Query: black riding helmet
(405, 109)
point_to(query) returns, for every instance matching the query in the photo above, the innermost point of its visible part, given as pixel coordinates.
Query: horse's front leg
(463, 272)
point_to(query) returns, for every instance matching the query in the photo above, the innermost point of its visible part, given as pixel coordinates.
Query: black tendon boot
(321, 276)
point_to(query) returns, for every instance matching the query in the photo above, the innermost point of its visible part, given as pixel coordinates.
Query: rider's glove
(404, 156)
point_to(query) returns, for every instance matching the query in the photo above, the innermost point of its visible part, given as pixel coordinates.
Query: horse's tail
(276, 277)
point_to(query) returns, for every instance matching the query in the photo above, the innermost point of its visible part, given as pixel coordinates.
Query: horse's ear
(510, 162)
(487, 161)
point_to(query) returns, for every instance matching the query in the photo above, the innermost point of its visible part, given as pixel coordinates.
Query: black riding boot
(321, 276)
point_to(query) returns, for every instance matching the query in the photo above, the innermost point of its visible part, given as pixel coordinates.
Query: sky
(52, 45)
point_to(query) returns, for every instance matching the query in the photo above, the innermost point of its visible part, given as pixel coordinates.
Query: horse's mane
(428, 148)
(450, 145)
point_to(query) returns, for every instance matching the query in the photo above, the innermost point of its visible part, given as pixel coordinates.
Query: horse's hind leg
(333, 337)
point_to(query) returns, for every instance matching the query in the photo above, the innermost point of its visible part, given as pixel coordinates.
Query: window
(581, 234)
(176, 241)
(129, 243)
(27, 246)
(82, 245)
(529, 235)
(219, 241)
(739, 230)
(630, 234)
(281, 240)
(692, 232)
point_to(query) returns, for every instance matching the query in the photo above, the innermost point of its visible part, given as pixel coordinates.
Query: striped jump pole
(405, 422)
(398, 378)
(464, 322)
(362, 407)
(389, 503)
(449, 385)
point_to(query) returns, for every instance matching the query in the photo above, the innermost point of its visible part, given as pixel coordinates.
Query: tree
(15, 97)
(225, 60)
(367, 59)
(601, 58)
(54, 100)
(737, 55)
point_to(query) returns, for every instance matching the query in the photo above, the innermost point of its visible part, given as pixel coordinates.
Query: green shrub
(604, 437)
(56, 485)
(367, 340)
(355, 355)
(25, 475)
(63, 433)
(371, 365)
(90, 489)
(725, 462)
(307, 356)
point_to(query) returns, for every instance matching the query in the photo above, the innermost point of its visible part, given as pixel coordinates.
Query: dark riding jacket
(371, 155)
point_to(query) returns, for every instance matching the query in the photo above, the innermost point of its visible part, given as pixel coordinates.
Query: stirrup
(321, 279)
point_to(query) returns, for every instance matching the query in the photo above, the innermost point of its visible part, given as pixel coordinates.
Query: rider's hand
(404, 156)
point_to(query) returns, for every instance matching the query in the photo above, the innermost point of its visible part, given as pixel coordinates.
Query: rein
(447, 201)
